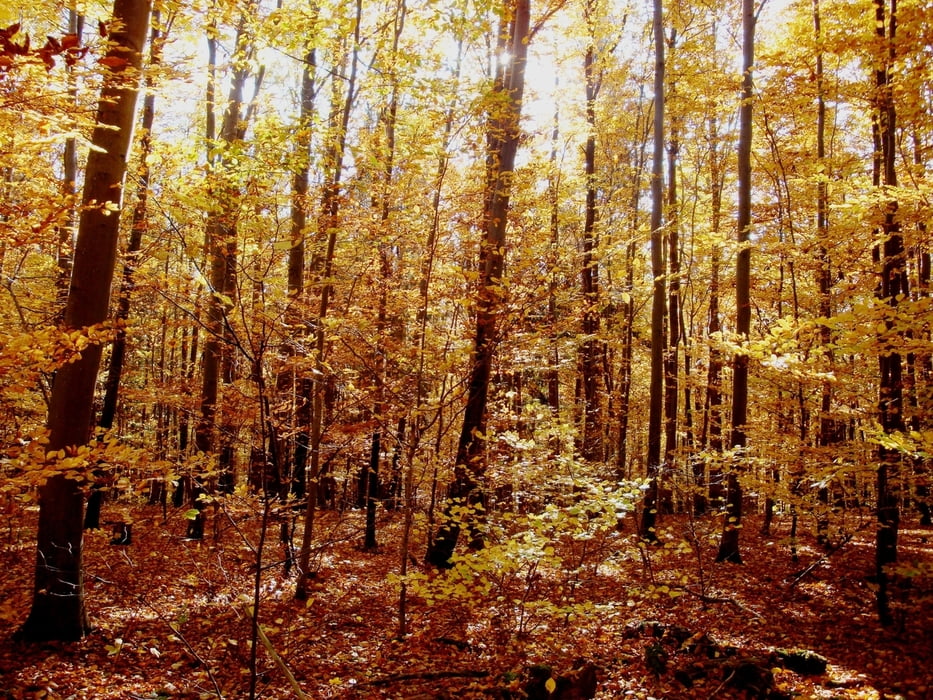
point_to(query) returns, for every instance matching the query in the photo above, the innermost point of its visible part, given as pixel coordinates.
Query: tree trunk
(66, 231)
(729, 543)
(389, 116)
(221, 248)
(503, 135)
(710, 483)
(321, 271)
(137, 229)
(553, 371)
(658, 301)
(58, 608)
(590, 348)
(297, 415)
(893, 287)
(671, 364)
(828, 429)
(628, 303)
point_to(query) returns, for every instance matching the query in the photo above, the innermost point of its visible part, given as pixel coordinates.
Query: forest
(466, 349)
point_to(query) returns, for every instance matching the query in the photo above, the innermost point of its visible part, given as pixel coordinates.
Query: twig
(731, 601)
(427, 676)
(721, 685)
(191, 650)
(292, 681)
(803, 574)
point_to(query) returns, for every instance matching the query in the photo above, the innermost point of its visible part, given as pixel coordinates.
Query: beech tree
(658, 301)
(729, 544)
(58, 608)
(892, 289)
(503, 134)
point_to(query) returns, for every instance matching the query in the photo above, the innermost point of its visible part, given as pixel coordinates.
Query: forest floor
(171, 616)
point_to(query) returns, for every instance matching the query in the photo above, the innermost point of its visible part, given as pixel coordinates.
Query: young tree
(58, 608)
(388, 119)
(322, 266)
(221, 245)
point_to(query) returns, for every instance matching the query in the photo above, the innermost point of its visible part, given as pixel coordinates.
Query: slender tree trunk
(712, 485)
(58, 608)
(591, 347)
(729, 543)
(137, 229)
(628, 304)
(504, 131)
(297, 415)
(924, 360)
(321, 272)
(66, 231)
(418, 420)
(553, 372)
(828, 429)
(674, 333)
(221, 247)
(658, 301)
(389, 118)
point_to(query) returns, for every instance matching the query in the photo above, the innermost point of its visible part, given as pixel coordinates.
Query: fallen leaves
(171, 624)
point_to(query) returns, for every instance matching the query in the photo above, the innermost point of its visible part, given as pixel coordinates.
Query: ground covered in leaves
(172, 617)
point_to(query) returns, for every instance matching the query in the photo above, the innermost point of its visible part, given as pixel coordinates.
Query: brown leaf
(46, 55)
(114, 62)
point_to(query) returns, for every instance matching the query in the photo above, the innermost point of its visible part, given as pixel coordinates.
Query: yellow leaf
(550, 685)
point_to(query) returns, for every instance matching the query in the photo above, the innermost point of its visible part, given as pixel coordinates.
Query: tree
(729, 543)
(58, 609)
(322, 266)
(503, 134)
(221, 247)
(591, 348)
(892, 288)
(658, 293)
(384, 202)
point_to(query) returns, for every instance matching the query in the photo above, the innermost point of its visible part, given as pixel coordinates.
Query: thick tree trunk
(58, 607)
